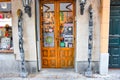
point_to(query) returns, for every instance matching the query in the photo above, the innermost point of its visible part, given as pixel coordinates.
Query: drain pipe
(37, 24)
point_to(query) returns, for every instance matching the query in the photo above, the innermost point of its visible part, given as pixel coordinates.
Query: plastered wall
(28, 31)
(105, 14)
(82, 22)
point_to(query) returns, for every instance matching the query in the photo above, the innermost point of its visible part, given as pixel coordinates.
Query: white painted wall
(28, 31)
(82, 31)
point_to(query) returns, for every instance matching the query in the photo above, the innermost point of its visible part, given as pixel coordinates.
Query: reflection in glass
(66, 25)
(6, 38)
(48, 25)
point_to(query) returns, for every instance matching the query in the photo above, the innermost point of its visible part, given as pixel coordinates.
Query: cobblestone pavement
(62, 75)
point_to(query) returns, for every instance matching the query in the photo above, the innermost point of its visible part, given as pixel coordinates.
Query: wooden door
(57, 33)
(114, 38)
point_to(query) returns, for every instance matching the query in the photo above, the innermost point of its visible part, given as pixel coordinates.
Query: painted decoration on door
(57, 34)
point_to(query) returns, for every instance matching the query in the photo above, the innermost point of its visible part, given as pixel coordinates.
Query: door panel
(66, 35)
(66, 58)
(114, 57)
(49, 58)
(57, 34)
(114, 38)
(48, 42)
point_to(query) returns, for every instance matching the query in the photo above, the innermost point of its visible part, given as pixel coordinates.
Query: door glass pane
(48, 25)
(66, 25)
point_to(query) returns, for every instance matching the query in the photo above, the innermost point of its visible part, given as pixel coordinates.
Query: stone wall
(82, 22)
(8, 64)
(82, 31)
(81, 37)
(29, 36)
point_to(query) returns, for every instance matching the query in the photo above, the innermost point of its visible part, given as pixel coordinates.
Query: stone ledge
(104, 61)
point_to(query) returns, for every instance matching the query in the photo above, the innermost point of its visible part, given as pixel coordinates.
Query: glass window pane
(48, 25)
(66, 25)
(6, 38)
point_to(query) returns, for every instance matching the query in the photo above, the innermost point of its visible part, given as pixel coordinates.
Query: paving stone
(14, 79)
(61, 75)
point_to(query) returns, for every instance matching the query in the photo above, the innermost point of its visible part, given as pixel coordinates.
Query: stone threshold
(49, 74)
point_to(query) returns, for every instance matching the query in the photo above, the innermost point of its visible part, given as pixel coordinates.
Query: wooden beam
(5, 0)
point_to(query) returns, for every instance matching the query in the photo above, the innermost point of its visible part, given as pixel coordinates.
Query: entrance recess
(114, 37)
(57, 33)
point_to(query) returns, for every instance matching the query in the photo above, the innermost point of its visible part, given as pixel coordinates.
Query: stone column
(104, 42)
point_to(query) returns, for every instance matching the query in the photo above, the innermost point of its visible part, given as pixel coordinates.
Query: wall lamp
(27, 6)
(4, 5)
(82, 4)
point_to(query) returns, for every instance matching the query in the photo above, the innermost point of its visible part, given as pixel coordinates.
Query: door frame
(38, 43)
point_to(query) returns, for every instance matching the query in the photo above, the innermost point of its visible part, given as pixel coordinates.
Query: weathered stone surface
(82, 66)
(62, 74)
(8, 64)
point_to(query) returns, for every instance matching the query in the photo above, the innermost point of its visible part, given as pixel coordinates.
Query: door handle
(114, 35)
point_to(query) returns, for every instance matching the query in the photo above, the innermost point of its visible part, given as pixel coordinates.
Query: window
(6, 41)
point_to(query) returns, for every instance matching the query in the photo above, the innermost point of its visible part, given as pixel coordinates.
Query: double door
(57, 25)
(114, 37)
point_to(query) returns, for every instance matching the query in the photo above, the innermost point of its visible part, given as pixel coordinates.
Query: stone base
(88, 73)
(104, 62)
(8, 64)
(23, 75)
(31, 66)
(81, 66)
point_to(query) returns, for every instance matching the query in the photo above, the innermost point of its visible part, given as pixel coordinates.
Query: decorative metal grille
(88, 72)
(20, 34)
